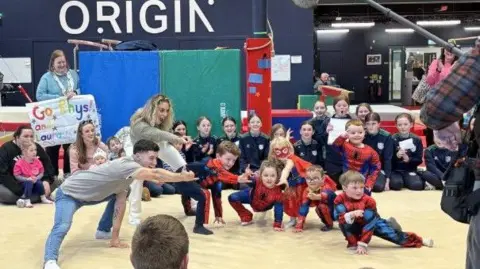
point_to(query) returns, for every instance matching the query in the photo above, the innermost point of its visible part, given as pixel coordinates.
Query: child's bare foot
(28, 203)
(276, 229)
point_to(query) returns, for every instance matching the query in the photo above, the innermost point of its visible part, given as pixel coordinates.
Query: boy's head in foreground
(353, 184)
(228, 153)
(160, 242)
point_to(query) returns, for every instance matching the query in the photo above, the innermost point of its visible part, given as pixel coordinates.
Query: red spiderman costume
(211, 175)
(359, 230)
(324, 207)
(363, 160)
(296, 184)
(261, 199)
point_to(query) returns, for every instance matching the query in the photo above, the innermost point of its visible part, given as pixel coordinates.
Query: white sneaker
(101, 235)
(291, 223)
(20, 203)
(45, 200)
(427, 242)
(246, 223)
(51, 264)
(134, 222)
(429, 187)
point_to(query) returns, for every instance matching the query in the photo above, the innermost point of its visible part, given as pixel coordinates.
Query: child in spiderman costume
(263, 196)
(356, 155)
(212, 173)
(319, 194)
(294, 170)
(359, 220)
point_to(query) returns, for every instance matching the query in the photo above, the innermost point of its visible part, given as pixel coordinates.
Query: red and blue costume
(261, 199)
(296, 185)
(323, 207)
(359, 230)
(363, 160)
(211, 176)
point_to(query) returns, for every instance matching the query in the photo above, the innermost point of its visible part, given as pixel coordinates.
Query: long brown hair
(79, 145)
(148, 113)
(55, 54)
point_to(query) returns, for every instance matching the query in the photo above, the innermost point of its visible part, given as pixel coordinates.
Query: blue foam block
(121, 82)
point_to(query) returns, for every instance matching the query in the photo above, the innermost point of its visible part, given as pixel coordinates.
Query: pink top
(25, 169)
(433, 77)
(75, 165)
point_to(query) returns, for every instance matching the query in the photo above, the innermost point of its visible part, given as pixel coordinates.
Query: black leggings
(53, 152)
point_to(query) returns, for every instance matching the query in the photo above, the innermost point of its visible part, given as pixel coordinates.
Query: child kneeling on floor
(359, 220)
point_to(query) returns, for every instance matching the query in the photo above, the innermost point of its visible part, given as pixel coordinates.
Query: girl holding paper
(58, 81)
(333, 160)
(408, 156)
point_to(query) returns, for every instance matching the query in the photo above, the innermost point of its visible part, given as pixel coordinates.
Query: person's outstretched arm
(118, 213)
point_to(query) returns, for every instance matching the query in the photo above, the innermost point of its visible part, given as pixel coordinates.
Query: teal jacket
(48, 88)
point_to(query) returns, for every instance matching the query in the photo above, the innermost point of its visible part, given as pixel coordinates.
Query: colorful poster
(55, 121)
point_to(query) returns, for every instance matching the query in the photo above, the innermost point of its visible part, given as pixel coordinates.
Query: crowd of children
(271, 172)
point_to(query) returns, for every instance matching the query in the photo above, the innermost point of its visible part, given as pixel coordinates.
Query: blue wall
(32, 29)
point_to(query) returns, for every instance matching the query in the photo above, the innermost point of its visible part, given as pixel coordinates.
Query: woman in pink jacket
(437, 71)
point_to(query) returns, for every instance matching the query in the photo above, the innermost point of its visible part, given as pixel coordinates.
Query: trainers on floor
(134, 222)
(428, 242)
(101, 235)
(20, 203)
(429, 187)
(51, 264)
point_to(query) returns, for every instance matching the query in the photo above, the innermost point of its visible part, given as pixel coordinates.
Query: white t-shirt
(98, 183)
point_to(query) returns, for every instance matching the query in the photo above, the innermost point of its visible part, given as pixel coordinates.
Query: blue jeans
(65, 208)
(156, 190)
(29, 187)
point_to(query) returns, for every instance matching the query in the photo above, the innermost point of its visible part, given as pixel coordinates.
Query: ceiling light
(473, 28)
(333, 31)
(399, 30)
(353, 24)
(439, 23)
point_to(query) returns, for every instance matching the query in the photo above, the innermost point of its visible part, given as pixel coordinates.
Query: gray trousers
(473, 243)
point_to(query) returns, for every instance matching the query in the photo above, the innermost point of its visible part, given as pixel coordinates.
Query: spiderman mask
(282, 153)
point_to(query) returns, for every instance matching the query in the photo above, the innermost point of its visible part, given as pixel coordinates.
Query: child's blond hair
(278, 142)
(355, 122)
(351, 177)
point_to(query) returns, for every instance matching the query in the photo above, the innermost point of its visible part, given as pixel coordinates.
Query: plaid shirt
(456, 94)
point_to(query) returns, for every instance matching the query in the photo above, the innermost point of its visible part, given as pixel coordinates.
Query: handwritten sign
(55, 121)
(281, 68)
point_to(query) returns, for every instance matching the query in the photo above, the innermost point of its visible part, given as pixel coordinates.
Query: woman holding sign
(58, 81)
(153, 122)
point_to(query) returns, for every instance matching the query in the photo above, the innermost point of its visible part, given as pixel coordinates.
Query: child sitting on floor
(359, 220)
(115, 147)
(29, 171)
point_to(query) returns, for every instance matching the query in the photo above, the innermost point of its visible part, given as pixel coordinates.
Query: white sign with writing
(281, 68)
(55, 121)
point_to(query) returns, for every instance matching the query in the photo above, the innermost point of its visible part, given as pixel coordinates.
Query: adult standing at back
(443, 108)
(438, 70)
(153, 122)
(58, 81)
